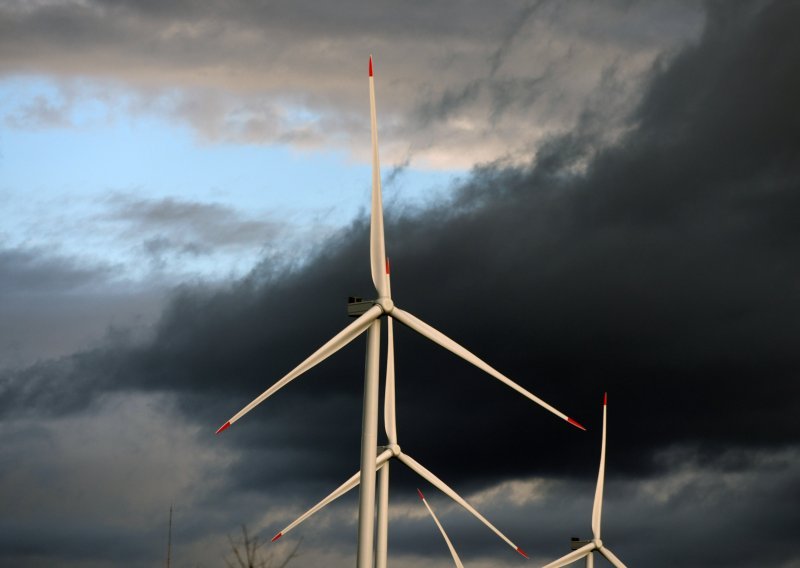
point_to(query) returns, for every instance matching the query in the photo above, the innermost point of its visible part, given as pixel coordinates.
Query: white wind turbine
(393, 450)
(382, 306)
(596, 544)
(453, 552)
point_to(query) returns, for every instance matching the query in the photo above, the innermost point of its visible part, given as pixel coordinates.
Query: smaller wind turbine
(453, 552)
(596, 543)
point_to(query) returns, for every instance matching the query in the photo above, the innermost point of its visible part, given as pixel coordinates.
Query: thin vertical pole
(369, 449)
(169, 537)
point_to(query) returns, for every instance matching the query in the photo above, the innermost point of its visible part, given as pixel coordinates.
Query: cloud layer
(658, 265)
(460, 85)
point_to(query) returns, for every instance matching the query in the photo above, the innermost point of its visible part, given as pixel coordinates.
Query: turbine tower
(370, 320)
(596, 544)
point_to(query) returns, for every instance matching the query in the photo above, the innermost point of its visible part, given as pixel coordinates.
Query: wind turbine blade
(573, 556)
(597, 510)
(444, 488)
(611, 557)
(389, 414)
(377, 246)
(338, 492)
(424, 329)
(453, 552)
(338, 341)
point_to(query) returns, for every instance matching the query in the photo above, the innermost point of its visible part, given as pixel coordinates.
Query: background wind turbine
(383, 305)
(453, 552)
(596, 544)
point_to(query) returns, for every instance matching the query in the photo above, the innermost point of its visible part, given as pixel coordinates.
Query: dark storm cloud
(662, 273)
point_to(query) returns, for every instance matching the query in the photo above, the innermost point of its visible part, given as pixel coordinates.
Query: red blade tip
(522, 552)
(605, 398)
(575, 423)
(277, 536)
(370, 66)
(224, 427)
(421, 496)
(387, 265)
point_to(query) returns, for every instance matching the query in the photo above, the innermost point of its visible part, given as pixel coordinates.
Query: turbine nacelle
(386, 304)
(394, 448)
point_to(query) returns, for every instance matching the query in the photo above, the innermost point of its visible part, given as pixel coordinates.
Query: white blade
(338, 492)
(444, 488)
(573, 556)
(453, 552)
(597, 510)
(437, 337)
(377, 246)
(338, 341)
(611, 558)
(389, 414)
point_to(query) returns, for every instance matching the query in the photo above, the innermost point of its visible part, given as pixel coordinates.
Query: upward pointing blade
(453, 552)
(597, 510)
(438, 337)
(338, 341)
(377, 246)
(444, 488)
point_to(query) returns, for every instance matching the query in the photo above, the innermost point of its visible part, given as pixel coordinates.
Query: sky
(594, 196)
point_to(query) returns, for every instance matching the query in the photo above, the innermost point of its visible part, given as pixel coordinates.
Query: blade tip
(575, 423)
(370, 65)
(522, 552)
(421, 496)
(277, 536)
(605, 399)
(224, 427)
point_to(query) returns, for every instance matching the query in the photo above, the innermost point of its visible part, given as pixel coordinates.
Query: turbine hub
(395, 449)
(598, 543)
(386, 304)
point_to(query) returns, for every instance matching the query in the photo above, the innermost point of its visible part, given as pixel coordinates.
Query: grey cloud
(32, 271)
(52, 306)
(41, 113)
(231, 73)
(516, 25)
(187, 227)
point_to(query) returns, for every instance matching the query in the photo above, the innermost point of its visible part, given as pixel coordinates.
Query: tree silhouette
(247, 553)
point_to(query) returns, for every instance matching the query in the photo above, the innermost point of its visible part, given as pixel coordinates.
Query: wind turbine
(596, 544)
(391, 451)
(370, 319)
(453, 552)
